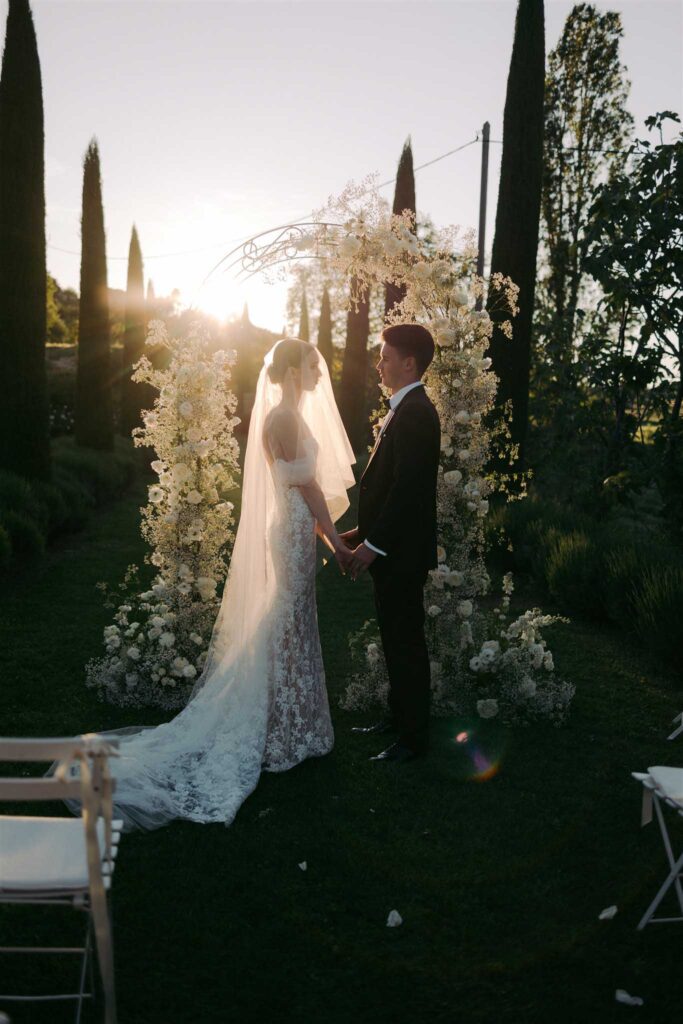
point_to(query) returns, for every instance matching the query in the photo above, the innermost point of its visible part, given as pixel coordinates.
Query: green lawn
(499, 883)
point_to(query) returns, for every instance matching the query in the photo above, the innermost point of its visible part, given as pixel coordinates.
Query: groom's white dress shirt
(393, 402)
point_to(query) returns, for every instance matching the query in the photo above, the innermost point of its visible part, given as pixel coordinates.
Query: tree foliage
(94, 415)
(24, 416)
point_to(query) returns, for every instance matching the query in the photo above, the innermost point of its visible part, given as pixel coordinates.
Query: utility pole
(482, 205)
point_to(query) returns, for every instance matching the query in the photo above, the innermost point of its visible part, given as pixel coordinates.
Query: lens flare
(483, 764)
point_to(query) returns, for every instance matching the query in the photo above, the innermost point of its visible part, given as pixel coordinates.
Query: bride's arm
(286, 443)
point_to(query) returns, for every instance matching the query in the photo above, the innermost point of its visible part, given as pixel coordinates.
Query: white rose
(462, 416)
(475, 663)
(445, 337)
(189, 671)
(167, 639)
(349, 246)
(433, 610)
(194, 497)
(464, 454)
(186, 409)
(548, 662)
(465, 609)
(460, 295)
(133, 653)
(487, 708)
(157, 622)
(193, 434)
(452, 478)
(441, 554)
(455, 578)
(158, 466)
(491, 645)
(372, 654)
(527, 688)
(156, 494)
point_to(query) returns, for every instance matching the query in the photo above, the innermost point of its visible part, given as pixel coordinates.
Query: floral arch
(481, 662)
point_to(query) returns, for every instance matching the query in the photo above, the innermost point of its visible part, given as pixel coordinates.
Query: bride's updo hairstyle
(288, 352)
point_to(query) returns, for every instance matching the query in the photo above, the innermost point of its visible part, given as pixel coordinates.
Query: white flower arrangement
(370, 245)
(157, 645)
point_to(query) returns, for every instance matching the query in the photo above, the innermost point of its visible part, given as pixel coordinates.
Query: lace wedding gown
(299, 723)
(269, 710)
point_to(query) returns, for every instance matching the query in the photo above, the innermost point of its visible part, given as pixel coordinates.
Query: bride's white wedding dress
(261, 701)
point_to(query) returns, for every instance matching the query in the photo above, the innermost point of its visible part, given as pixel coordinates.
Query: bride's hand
(343, 557)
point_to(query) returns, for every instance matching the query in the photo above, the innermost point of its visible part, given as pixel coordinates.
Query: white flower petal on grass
(607, 914)
(303, 866)
(622, 996)
(394, 919)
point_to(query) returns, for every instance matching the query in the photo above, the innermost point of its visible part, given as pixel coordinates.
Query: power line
(244, 238)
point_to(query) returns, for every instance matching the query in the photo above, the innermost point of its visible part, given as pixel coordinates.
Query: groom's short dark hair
(411, 340)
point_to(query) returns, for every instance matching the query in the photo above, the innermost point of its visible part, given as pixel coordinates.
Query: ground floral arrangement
(157, 643)
(481, 663)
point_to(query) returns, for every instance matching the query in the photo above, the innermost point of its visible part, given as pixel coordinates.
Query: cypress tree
(94, 426)
(325, 329)
(404, 199)
(24, 410)
(515, 241)
(354, 371)
(304, 329)
(134, 396)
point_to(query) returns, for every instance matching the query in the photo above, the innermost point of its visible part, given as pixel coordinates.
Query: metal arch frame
(253, 256)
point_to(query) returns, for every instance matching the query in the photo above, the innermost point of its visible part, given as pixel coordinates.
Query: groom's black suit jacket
(397, 501)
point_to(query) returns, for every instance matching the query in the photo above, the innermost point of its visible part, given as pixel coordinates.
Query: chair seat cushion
(46, 853)
(669, 781)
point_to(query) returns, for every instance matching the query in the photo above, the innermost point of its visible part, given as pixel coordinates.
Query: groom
(396, 534)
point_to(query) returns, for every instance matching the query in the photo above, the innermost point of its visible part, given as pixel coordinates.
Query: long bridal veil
(204, 762)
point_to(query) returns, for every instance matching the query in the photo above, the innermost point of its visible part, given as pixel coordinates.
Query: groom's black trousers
(399, 600)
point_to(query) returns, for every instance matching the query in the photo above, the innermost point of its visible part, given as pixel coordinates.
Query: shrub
(624, 567)
(5, 548)
(573, 571)
(17, 495)
(54, 501)
(26, 537)
(104, 474)
(658, 611)
(79, 500)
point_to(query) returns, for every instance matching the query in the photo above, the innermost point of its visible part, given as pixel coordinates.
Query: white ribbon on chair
(97, 750)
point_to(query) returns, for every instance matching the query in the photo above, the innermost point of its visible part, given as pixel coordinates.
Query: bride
(260, 702)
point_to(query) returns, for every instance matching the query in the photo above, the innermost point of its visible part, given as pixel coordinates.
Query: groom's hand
(361, 558)
(350, 538)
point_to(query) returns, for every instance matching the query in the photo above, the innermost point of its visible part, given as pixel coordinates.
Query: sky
(217, 120)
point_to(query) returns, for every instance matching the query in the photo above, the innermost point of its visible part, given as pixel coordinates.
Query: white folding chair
(679, 730)
(663, 786)
(67, 861)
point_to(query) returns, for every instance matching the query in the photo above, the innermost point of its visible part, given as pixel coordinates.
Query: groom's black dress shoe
(397, 752)
(378, 727)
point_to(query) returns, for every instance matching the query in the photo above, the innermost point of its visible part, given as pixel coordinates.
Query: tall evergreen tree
(355, 371)
(24, 411)
(151, 298)
(94, 426)
(325, 329)
(515, 240)
(304, 330)
(587, 127)
(134, 396)
(404, 199)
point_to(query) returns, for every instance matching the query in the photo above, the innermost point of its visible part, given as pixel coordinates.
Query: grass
(499, 882)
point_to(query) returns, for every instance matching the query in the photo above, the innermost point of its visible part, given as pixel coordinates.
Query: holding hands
(351, 557)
